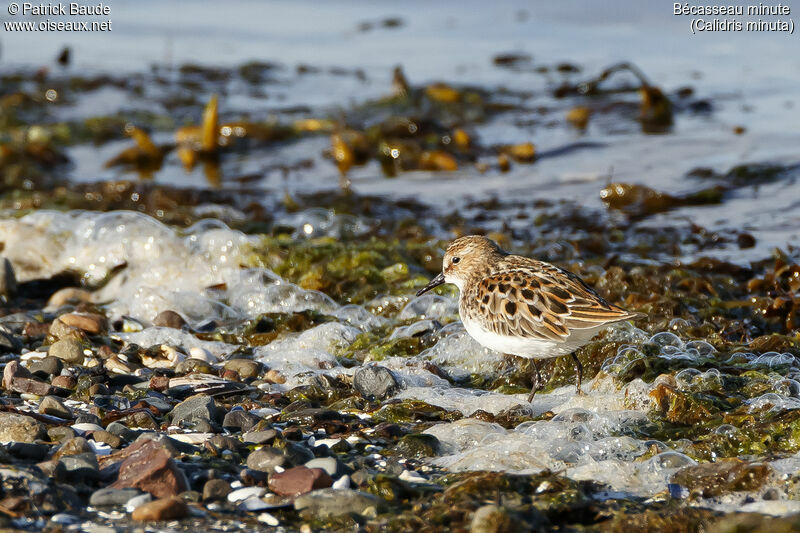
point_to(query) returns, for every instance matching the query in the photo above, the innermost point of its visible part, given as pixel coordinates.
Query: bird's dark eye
(456, 260)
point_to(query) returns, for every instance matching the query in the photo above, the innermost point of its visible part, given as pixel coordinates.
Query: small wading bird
(523, 307)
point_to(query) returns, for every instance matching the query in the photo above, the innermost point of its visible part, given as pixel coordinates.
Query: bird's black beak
(435, 282)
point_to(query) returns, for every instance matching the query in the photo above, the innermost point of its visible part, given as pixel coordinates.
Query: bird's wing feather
(542, 302)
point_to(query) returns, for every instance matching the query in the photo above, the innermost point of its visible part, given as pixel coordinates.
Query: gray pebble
(375, 382)
(109, 496)
(266, 459)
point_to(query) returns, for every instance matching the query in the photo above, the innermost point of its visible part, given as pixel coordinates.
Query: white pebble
(202, 354)
(86, 427)
(246, 493)
(268, 519)
(136, 501)
(410, 475)
(342, 483)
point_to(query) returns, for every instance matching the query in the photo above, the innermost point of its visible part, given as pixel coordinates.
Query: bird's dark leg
(537, 381)
(578, 371)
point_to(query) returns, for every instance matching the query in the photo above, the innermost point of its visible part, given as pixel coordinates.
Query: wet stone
(331, 465)
(88, 418)
(60, 330)
(53, 406)
(107, 497)
(246, 368)
(375, 382)
(297, 453)
(82, 467)
(91, 323)
(240, 421)
(171, 508)
(8, 280)
(193, 365)
(14, 370)
(299, 480)
(68, 350)
(106, 437)
(169, 319)
(224, 442)
(122, 431)
(73, 446)
(417, 446)
(260, 437)
(28, 451)
(64, 382)
(60, 433)
(266, 459)
(150, 468)
(20, 428)
(329, 503)
(47, 366)
(195, 409)
(216, 490)
(9, 343)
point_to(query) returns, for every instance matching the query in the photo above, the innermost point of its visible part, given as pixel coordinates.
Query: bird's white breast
(529, 347)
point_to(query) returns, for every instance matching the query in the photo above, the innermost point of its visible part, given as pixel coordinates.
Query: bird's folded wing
(535, 303)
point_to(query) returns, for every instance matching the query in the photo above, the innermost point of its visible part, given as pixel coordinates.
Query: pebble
(193, 366)
(89, 322)
(60, 433)
(149, 466)
(216, 489)
(172, 508)
(204, 355)
(106, 496)
(268, 519)
(107, 437)
(169, 319)
(9, 343)
(240, 421)
(81, 467)
(328, 503)
(331, 465)
(299, 480)
(266, 459)
(136, 501)
(20, 428)
(273, 376)
(73, 446)
(375, 382)
(53, 406)
(342, 483)
(246, 368)
(200, 407)
(8, 281)
(245, 493)
(47, 366)
(68, 350)
(64, 382)
(86, 427)
(60, 330)
(260, 437)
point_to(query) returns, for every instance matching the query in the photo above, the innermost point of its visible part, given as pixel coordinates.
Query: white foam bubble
(155, 336)
(430, 306)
